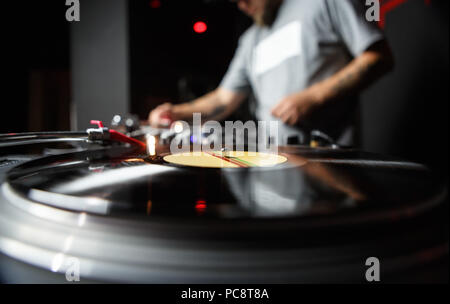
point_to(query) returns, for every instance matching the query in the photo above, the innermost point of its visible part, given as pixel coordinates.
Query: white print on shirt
(279, 46)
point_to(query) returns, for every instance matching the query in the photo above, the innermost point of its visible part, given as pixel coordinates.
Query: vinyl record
(117, 182)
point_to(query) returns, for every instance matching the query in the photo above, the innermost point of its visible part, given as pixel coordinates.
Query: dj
(305, 61)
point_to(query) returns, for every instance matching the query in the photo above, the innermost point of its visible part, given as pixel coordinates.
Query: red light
(200, 27)
(200, 206)
(155, 3)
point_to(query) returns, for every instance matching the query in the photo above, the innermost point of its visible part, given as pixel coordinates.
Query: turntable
(128, 214)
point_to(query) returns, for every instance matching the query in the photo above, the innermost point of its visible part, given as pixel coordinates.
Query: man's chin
(268, 17)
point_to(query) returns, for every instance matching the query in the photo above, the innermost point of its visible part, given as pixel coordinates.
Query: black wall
(99, 62)
(34, 36)
(406, 113)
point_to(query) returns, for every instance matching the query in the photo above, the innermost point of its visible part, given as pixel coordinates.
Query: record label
(231, 159)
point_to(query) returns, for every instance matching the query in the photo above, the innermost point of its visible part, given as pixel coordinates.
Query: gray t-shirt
(309, 41)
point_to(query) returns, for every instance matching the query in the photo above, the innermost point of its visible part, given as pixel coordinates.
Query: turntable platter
(118, 182)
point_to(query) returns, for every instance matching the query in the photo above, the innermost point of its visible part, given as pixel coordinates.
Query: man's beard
(270, 13)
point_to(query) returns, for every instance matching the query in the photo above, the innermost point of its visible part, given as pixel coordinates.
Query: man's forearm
(215, 105)
(356, 76)
(202, 105)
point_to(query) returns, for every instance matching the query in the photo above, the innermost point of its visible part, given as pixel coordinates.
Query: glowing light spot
(57, 262)
(178, 127)
(200, 27)
(200, 206)
(149, 207)
(68, 244)
(117, 118)
(155, 3)
(151, 145)
(82, 219)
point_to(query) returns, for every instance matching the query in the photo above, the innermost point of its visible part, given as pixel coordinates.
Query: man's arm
(356, 76)
(215, 105)
(359, 74)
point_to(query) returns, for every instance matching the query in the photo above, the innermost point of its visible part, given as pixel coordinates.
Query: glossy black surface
(119, 182)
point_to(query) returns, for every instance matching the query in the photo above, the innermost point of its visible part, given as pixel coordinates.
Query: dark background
(168, 60)
(405, 114)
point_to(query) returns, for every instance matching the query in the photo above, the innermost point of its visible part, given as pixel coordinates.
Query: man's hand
(161, 115)
(350, 80)
(216, 105)
(296, 107)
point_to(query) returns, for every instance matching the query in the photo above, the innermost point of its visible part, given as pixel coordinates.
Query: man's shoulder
(306, 5)
(293, 9)
(246, 36)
